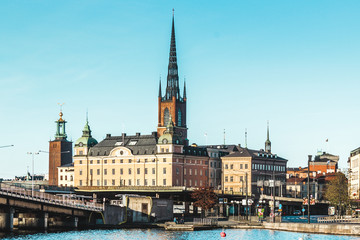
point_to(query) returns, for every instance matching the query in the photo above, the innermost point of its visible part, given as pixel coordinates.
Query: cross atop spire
(267, 142)
(172, 87)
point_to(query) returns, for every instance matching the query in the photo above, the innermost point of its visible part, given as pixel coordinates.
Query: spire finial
(173, 12)
(87, 117)
(61, 114)
(267, 142)
(184, 94)
(245, 137)
(160, 94)
(268, 130)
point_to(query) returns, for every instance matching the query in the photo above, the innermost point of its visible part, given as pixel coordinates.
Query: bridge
(32, 209)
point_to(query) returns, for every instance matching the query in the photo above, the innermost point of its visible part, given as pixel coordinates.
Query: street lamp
(32, 179)
(6, 146)
(308, 187)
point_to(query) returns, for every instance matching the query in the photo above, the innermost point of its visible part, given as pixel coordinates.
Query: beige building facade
(66, 175)
(354, 173)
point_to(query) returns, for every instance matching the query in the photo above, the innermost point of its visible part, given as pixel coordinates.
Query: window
(200, 182)
(121, 161)
(113, 182)
(146, 171)
(91, 161)
(61, 177)
(91, 172)
(138, 182)
(184, 171)
(105, 161)
(129, 170)
(98, 161)
(80, 161)
(132, 143)
(231, 166)
(164, 182)
(226, 179)
(81, 152)
(105, 171)
(121, 171)
(200, 172)
(184, 182)
(195, 171)
(80, 172)
(177, 171)
(80, 183)
(138, 171)
(153, 182)
(113, 171)
(164, 159)
(226, 166)
(195, 183)
(98, 171)
(190, 171)
(241, 166)
(241, 178)
(105, 182)
(66, 177)
(145, 182)
(246, 166)
(179, 118)
(231, 178)
(129, 160)
(166, 116)
(164, 170)
(153, 171)
(129, 182)
(98, 182)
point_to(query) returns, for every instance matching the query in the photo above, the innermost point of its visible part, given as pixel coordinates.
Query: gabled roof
(255, 154)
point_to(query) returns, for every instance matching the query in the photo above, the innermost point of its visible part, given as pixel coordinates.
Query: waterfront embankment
(333, 229)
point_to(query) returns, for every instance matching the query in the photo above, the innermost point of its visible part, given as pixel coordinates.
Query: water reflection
(158, 234)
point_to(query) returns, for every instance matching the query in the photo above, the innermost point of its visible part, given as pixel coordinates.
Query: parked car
(297, 212)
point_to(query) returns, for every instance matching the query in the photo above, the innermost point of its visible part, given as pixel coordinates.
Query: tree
(337, 192)
(205, 198)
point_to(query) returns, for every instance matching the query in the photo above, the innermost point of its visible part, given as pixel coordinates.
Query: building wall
(122, 168)
(66, 176)
(57, 158)
(354, 177)
(234, 177)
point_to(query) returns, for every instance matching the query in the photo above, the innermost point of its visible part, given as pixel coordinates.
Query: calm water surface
(157, 234)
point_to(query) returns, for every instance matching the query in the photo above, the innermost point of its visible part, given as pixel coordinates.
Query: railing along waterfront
(205, 221)
(338, 219)
(49, 198)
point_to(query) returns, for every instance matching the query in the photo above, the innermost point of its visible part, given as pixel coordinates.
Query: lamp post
(308, 187)
(6, 146)
(53, 153)
(32, 178)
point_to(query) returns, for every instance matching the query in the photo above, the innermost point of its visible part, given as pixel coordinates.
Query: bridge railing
(49, 198)
(338, 219)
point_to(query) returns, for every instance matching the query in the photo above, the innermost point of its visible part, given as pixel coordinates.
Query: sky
(293, 63)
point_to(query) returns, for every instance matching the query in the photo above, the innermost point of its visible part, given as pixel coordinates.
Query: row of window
(242, 178)
(113, 171)
(122, 182)
(242, 166)
(113, 161)
(66, 177)
(267, 167)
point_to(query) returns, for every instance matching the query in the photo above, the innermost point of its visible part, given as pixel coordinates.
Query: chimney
(108, 135)
(138, 134)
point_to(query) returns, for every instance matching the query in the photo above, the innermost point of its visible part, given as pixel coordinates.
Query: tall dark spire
(160, 94)
(172, 87)
(184, 94)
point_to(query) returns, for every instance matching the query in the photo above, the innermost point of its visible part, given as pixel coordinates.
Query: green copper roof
(86, 138)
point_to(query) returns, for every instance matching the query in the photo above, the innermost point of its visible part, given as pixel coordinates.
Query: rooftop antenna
(61, 104)
(245, 137)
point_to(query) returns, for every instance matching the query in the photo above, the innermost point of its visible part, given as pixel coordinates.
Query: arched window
(179, 118)
(166, 116)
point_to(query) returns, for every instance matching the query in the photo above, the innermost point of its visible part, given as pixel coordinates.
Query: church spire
(172, 88)
(267, 142)
(160, 88)
(184, 94)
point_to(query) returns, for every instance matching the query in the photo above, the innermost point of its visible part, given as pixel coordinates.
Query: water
(159, 234)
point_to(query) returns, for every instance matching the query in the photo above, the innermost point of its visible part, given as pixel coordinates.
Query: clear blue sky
(294, 63)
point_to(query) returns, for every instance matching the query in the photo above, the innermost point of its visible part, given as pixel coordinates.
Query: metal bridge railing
(49, 198)
(338, 219)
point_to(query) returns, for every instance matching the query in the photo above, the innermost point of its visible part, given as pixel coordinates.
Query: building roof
(255, 154)
(67, 165)
(138, 144)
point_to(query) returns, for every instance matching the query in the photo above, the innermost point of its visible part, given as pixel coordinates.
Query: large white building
(66, 175)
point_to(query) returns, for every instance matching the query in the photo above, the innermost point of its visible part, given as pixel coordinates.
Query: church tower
(172, 107)
(60, 151)
(267, 142)
(85, 142)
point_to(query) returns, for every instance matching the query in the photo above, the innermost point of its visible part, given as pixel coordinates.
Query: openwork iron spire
(172, 87)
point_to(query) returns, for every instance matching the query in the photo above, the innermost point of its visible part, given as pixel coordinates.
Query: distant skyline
(294, 63)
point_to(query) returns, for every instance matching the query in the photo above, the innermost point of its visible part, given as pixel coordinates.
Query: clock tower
(172, 106)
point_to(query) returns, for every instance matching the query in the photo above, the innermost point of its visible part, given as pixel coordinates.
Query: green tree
(337, 192)
(205, 198)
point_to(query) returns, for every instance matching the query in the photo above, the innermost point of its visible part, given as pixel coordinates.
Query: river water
(159, 234)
